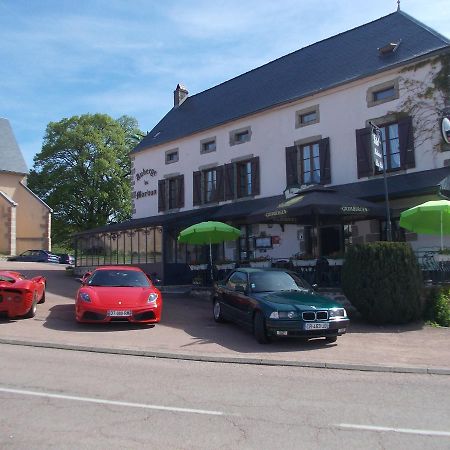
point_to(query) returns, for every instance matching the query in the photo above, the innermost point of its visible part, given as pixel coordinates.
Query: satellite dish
(445, 128)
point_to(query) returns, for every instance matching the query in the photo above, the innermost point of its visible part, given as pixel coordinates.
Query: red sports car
(118, 293)
(19, 295)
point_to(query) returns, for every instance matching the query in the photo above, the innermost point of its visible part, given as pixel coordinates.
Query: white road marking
(395, 430)
(111, 402)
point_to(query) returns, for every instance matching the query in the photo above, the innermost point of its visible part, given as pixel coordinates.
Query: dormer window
(391, 47)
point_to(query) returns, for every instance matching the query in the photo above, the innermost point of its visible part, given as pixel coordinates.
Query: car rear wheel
(32, 311)
(331, 339)
(217, 312)
(42, 300)
(259, 328)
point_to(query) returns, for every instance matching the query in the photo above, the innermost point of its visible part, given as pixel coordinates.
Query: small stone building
(25, 220)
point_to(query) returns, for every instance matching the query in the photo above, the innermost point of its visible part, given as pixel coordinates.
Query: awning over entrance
(316, 203)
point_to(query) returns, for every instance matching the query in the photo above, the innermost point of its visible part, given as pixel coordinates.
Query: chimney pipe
(180, 94)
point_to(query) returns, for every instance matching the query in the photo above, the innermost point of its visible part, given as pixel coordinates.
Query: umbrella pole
(210, 263)
(442, 234)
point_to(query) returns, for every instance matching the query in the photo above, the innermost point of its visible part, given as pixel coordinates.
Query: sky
(61, 58)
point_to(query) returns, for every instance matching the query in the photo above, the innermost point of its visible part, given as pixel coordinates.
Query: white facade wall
(342, 110)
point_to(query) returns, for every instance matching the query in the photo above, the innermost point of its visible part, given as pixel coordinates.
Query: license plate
(317, 326)
(116, 313)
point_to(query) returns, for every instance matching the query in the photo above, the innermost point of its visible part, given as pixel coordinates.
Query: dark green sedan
(277, 303)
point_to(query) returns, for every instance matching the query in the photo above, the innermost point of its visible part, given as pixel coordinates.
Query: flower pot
(227, 266)
(260, 264)
(303, 262)
(198, 266)
(335, 262)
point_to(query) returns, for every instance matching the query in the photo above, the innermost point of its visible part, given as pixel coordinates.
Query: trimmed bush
(438, 306)
(383, 282)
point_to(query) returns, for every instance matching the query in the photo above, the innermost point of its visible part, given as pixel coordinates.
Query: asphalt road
(62, 399)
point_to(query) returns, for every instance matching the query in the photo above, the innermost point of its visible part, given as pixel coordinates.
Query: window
(391, 146)
(210, 185)
(235, 180)
(382, 93)
(398, 145)
(240, 136)
(208, 145)
(171, 156)
(171, 193)
(244, 179)
(310, 164)
(307, 116)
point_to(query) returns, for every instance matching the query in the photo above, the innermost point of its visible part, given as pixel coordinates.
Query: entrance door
(331, 239)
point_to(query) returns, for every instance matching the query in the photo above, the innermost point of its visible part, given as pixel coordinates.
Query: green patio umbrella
(431, 217)
(209, 232)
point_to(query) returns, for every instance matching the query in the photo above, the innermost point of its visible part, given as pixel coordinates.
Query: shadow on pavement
(62, 318)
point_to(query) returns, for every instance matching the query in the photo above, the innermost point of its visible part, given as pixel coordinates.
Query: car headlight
(85, 297)
(337, 313)
(152, 298)
(283, 315)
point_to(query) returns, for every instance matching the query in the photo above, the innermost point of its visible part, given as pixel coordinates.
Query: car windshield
(7, 279)
(276, 281)
(118, 278)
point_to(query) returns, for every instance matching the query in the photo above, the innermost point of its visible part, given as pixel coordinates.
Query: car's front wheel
(259, 328)
(217, 312)
(331, 339)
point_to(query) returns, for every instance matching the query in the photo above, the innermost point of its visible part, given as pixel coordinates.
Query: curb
(234, 360)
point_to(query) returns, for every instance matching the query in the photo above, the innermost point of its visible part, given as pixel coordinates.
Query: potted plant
(225, 264)
(303, 259)
(260, 261)
(443, 255)
(336, 259)
(195, 265)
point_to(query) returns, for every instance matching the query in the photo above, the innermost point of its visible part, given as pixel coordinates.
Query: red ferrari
(115, 293)
(19, 295)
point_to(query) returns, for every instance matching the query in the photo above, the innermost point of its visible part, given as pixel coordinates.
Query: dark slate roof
(11, 158)
(342, 58)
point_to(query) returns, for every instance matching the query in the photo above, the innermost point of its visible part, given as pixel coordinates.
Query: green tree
(83, 172)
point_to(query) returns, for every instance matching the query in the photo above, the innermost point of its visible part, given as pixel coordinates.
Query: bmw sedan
(277, 303)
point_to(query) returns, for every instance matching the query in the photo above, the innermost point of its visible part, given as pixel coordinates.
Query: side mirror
(85, 277)
(314, 286)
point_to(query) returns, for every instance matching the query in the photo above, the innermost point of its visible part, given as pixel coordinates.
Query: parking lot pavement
(188, 331)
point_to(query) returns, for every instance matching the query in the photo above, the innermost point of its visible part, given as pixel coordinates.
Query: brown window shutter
(256, 188)
(229, 181)
(325, 161)
(406, 142)
(197, 188)
(161, 195)
(291, 166)
(180, 191)
(364, 153)
(219, 195)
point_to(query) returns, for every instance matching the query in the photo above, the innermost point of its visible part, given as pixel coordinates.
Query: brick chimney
(180, 94)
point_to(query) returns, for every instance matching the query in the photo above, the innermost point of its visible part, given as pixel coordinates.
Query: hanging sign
(445, 129)
(377, 147)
